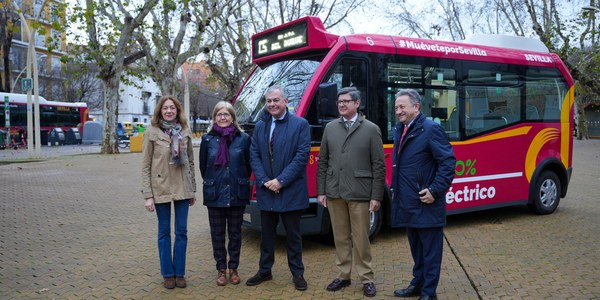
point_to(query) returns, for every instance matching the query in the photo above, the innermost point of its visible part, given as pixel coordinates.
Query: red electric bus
(506, 104)
(52, 114)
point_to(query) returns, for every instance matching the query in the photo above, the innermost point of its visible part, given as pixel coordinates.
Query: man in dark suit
(351, 183)
(423, 170)
(278, 155)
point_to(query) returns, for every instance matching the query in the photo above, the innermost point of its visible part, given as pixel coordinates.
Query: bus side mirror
(327, 101)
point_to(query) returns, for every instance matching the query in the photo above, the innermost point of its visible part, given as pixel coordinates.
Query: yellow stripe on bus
(496, 136)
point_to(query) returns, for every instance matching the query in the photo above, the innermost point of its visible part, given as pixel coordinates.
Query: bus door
(348, 72)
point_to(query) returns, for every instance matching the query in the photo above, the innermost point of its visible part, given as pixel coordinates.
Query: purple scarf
(227, 134)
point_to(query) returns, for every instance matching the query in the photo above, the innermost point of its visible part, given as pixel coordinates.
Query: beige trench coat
(163, 181)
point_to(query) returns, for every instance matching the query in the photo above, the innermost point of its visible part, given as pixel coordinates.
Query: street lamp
(21, 73)
(29, 100)
(32, 64)
(12, 89)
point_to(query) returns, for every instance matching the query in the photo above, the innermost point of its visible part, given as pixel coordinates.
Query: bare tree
(82, 84)
(168, 46)
(202, 101)
(112, 50)
(8, 20)
(581, 61)
(573, 38)
(230, 60)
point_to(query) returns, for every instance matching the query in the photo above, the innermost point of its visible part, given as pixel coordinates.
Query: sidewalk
(22, 155)
(74, 227)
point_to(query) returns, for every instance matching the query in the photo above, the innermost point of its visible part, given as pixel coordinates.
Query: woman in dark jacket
(225, 168)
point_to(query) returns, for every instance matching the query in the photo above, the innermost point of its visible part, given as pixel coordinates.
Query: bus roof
(307, 35)
(508, 41)
(22, 98)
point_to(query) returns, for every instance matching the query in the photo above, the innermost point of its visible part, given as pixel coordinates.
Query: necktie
(275, 126)
(402, 137)
(349, 124)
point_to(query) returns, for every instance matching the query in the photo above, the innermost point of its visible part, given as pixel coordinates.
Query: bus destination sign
(287, 38)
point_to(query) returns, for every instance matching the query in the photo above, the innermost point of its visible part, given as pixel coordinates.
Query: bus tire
(375, 223)
(545, 195)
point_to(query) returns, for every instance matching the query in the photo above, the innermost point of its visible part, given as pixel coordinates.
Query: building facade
(49, 47)
(136, 104)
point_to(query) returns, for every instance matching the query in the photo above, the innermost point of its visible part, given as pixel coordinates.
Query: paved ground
(74, 227)
(21, 155)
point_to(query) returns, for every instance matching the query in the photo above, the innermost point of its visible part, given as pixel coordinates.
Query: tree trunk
(111, 110)
(170, 86)
(7, 85)
(582, 131)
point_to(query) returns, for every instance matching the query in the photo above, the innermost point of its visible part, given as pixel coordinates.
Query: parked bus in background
(52, 114)
(506, 104)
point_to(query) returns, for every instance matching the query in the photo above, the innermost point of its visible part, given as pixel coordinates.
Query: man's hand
(374, 205)
(426, 196)
(274, 185)
(322, 199)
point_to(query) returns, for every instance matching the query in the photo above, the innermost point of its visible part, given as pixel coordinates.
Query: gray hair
(412, 94)
(276, 88)
(354, 93)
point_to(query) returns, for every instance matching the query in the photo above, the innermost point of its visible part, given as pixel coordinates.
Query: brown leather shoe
(180, 282)
(221, 278)
(234, 278)
(169, 282)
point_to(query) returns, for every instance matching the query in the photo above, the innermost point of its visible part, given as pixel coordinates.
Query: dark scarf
(227, 134)
(178, 143)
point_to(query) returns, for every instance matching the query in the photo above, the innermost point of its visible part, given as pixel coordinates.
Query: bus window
(18, 115)
(440, 76)
(67, 118)
(47, 116)
(546, 91)
(489, 108)
(440, 104)
(351, 72)
(348, 72)
(293, 75)
(441, 108)
(403, 74)
(399, 76)
(492, 98)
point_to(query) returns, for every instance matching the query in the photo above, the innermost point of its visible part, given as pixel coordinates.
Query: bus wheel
(545, 195)
(375, 223)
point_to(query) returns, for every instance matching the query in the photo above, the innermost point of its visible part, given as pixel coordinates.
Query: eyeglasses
(344, 102)
(223, 115)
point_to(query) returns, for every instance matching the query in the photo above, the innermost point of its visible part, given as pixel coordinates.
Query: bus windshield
(293, 75)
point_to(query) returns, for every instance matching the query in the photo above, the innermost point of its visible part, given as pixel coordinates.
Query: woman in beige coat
(168, 176)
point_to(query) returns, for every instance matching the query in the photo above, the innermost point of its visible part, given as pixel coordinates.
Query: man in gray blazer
(351, 183)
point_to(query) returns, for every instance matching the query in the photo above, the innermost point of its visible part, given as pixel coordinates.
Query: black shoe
(410, 291)
(337, 284)
(369, 289)
(425, 297)
(299, 283)
(258, 278)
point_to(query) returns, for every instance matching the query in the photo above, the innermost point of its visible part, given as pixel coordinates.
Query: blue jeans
(172, 265)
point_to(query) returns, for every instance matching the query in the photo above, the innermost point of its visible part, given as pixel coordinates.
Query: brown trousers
(350, 224)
